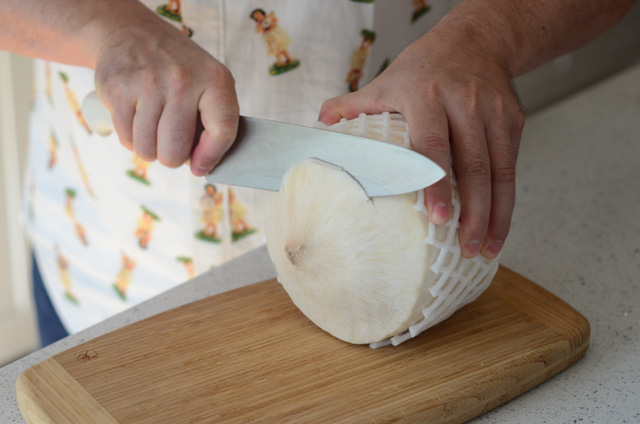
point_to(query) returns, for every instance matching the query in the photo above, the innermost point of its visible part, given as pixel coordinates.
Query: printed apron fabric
(110, 230)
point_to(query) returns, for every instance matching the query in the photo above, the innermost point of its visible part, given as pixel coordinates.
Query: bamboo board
(249, 355)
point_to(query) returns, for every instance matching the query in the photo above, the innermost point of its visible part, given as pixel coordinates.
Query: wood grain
(249, 355)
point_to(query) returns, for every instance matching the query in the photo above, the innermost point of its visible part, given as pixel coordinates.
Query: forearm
(524, 34)
(66, 31)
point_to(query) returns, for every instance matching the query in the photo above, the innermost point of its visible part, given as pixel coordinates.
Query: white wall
(17, 324)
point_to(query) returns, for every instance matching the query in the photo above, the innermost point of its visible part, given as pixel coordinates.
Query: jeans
(50, 327)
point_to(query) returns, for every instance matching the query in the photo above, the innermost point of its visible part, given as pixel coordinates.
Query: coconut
(368, 270)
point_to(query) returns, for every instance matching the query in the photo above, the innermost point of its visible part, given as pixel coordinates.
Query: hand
(160, 86)
(462, 112)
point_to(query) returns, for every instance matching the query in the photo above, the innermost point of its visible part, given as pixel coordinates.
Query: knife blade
(265, 150)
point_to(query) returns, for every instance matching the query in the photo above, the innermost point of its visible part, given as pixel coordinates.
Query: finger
(429, 134)
(175, 131)
(349, 106)
(503, 140)
(219, 113)
(145, 127)
(122, 113)
(473, 171)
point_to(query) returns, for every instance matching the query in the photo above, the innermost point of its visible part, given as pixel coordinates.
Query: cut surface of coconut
(368, 270)
(337, 253)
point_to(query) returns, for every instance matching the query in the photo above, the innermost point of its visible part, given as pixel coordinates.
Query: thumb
(219, 115)
(349, 106)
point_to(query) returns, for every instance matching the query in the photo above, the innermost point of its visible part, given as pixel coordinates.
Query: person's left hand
(170, 100)
(462, 112)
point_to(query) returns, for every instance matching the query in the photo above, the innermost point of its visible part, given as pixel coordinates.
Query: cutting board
(249, 355)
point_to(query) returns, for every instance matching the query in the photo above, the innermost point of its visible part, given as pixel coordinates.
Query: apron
(110, 230)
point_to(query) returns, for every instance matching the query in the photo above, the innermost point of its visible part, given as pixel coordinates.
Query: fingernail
(471, 248)
(200, 170)
(441, 212)
(495, 247)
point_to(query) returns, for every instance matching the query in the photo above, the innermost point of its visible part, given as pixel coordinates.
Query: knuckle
(477, 169)
(179, 86)
(182, 81)
(179, 73)
(511, 108)
(518, 121)
(329, 107)
(224, 130)
(436, 142)
(519, 117)
(514, 111)
(115, 92)
(126, 144)
(148, 80)
(504, 175)
(226, 75)
(217, 73)
(174, 154)
(432, 144)
(145, 154)
(145, 148)
(171, 161)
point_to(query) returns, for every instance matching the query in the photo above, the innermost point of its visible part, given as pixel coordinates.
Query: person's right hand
(160, 86)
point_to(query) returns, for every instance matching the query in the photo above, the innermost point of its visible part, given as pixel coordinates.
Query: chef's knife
(265, 150)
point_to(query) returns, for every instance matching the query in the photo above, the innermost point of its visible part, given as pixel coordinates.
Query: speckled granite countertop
(576, 232)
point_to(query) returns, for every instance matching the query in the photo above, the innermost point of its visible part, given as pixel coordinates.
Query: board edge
(42, 389)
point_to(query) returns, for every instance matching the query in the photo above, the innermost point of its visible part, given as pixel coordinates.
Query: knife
(265, 150)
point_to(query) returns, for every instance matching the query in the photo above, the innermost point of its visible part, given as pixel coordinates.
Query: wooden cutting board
(249, 355)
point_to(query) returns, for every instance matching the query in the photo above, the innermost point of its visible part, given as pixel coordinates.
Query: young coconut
(368, 270)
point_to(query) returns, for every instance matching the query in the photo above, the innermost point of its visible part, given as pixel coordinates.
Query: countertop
(576, 232)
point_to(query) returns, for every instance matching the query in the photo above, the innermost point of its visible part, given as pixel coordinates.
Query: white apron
(110, 230)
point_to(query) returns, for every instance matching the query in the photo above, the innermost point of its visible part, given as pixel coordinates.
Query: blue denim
(50, 327)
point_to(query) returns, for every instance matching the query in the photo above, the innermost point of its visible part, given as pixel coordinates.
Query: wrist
(479, 39)
(109, 21)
